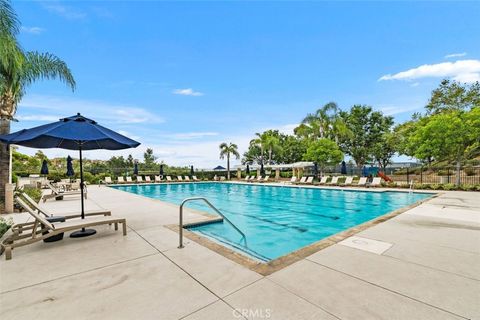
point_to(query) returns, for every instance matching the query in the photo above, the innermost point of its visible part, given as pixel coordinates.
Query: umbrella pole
(84, 232)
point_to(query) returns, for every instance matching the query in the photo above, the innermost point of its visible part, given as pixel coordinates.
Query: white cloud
(98, 110)
(37, 117)
(461, 70)
(32, 30)
(393, 110)
(455, 55)
(192, 135)
(65, 11)
(187, 92)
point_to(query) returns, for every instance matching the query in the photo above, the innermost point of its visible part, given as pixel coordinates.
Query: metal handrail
(180, 224)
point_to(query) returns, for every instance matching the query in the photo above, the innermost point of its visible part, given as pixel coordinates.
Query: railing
(180, 224)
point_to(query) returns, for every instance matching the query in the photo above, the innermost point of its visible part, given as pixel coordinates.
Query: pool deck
(421, 264)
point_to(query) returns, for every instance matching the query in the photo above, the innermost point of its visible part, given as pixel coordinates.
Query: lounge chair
(140, 179)
(195, 178)
(158, 179)
(309, 180)
(334, 181)
(120, 179)
(58, 193)
(179, 178)
(293, 180)
(323, 180)
(362, 181)
(169, 179)
(302, 180)
(222, 178)
(43, 229)
(47, 214)
(252, 178)
(107, 180)
(376, 182)
(129, 179)
(348, 181)
(147, 179)
(247, 177)
(265, 179)
(187, 178)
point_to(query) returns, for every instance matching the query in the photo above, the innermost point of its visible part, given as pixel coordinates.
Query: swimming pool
(278, 220)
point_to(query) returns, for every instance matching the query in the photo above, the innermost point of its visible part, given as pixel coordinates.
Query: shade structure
(191, 171)
(343, 169)
(219, 168)
(70, 171)
(44, 169)
(135, 169)
(72, 133)
(161, 170)
(247, 170)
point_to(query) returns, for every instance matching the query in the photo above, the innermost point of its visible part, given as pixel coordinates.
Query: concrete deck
(422, 264)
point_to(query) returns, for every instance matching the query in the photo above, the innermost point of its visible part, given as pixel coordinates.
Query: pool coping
(267, 268)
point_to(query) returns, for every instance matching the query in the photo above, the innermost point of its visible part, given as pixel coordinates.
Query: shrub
(5, 224)
(449, 186)
(468, 187)
(34, 193)
(436, 186)
(56, 176)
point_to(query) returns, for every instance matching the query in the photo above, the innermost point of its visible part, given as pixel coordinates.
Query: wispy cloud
(187, 92)
(455, 55)
(64, 11)
(40, 107)
(394, 110)
(191, 135)
(32, 30)
(462, 70)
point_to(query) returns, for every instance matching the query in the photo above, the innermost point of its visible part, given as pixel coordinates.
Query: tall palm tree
(227, 149)
(19, 69)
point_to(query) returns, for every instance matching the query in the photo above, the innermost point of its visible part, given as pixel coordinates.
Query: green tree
(293, 149)
(452, 136)
(130, 161)
(385, 148)
(19, 69)
(149, 159)
(452, 95)
(366, 127)
(267, 141)
(324, 152)
(226, 150)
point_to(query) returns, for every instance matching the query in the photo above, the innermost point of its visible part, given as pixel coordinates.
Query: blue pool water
(278, 220)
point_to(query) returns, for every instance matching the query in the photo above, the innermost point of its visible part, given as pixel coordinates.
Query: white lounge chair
(293, 179)
(195, 178)
(169, 179)
(376, 182)
(247, 177)
(252, 178)
(348, 181)
(59, 193)
(309, 180)
(129, 179)
(140, 179)
(302, 180)
(108, 180)
(158, 179)
(120, 179)
(147, 179)
(222, 178)
(266, 179)
(362, 181)
(334, 180)
(323, 180)
(187, 178)
(179, 178)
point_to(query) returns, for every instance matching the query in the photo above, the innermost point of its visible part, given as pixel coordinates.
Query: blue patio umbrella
(343, 170)
(70, 171)
(364, 171)
(191, 171)
(248, 170)
(161, 170)
(72, 133)
(44, 169)
(219, 168)
(135, 169)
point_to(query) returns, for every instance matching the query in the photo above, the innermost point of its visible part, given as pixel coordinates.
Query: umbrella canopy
(135, 169)
(72, 133)
(161, 170)
(364, 171)
(248, 170)
(219, 168)
(70, 171)
(343, 170)
(44, 169)
(191, 171)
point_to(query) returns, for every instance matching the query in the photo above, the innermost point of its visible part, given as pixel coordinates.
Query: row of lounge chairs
(257, 179)
(376, 182)
(147, 179)
(41, 228)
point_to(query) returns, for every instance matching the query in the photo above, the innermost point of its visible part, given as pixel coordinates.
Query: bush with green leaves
(5, 224)
(34, 193)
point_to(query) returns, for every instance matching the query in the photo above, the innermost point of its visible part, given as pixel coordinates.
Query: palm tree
(19, 69)
(225, 151)
(267, 141)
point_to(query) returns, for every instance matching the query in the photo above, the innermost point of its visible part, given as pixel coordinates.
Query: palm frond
(46, 66)
(9, 23)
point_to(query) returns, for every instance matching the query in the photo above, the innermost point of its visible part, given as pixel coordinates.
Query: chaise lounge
(59, 193)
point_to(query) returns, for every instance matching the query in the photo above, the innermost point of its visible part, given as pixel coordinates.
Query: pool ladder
(180, 224)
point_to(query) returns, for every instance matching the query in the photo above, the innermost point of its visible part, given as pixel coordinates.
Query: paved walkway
(422, 264)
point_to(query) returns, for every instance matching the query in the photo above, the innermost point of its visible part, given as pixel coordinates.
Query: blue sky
(182, 77)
